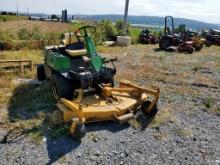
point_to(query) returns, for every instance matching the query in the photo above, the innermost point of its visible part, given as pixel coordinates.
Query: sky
(202, 10)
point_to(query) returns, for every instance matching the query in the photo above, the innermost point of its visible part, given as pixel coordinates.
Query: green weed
(209, 103)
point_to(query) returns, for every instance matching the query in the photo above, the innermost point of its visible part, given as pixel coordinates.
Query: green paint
(58, 61)
(96, 61)
(62, 63)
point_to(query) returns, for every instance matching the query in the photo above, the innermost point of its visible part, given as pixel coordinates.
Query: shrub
(181, 28)
(109, 30)
(36, 34)
(105, 30)
(52, 38)
(99, 36)
(6, 39)
(24, 34)
(119, 28)
(4, 35)
(209, 102)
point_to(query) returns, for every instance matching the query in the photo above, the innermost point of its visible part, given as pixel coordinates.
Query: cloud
(204, 10)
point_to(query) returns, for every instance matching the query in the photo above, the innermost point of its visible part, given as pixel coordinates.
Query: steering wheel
(85, 29)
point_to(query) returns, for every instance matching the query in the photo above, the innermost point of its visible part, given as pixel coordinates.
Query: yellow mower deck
(118, 104)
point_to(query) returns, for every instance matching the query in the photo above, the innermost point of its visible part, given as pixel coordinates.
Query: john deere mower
(177, 42)
(83, 84)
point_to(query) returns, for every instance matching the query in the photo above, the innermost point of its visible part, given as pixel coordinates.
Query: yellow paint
(110, 105)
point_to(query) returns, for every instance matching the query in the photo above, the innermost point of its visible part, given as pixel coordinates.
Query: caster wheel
(152, 113)
(79, 132)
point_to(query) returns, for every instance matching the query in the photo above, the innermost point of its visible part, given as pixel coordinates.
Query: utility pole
(17, 7)
(125, 18)
(125, 40)
(27, 12)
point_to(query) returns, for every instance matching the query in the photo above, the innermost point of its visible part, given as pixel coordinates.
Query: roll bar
(165, 29)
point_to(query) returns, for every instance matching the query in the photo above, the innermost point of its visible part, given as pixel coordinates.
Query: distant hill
(149, 20)
(153, 20)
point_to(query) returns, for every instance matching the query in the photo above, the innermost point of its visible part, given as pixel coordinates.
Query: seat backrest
(69, 38)
(76, 53)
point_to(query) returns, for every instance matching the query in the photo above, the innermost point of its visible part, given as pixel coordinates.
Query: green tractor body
(96, 61)
(57, 61)
(73, 66)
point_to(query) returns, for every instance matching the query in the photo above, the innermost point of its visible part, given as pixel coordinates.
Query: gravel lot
(185, 131)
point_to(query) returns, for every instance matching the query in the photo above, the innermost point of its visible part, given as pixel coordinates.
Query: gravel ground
(185, 131)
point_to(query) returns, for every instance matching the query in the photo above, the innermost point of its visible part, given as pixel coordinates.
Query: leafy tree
(182, 28)
(108, 29)
(4, 13)
(105, 30)
(54, 17)
(119, 27)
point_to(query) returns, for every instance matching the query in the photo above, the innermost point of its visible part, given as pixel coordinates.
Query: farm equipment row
(213, 37)
(188, 41)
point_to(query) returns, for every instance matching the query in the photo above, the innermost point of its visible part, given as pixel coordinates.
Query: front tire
(79, 132)
(153, 111)
(61, 87)
(41, 76)
(198, 47)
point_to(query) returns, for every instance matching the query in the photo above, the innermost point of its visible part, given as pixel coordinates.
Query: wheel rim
(54, 91)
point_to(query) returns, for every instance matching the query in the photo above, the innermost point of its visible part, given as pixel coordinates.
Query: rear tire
(41, 76)
(190, 49)
(110, 81)
(61, 87)
(164, 44)
(144, 107)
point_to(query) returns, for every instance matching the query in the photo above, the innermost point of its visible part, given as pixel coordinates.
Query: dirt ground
(185, 131)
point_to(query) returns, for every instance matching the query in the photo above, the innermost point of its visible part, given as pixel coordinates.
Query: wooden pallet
(16, 64)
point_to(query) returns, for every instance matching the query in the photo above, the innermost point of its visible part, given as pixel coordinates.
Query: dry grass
(6, 18)
(174, 73)
(19, 99)
(35, 55)
(6, 87)
(164, 116)
(161, 136)
(45, 27)
(184, 132)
